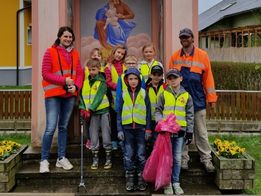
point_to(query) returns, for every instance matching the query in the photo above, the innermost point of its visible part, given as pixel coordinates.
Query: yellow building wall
(27, 47)
(8, 32)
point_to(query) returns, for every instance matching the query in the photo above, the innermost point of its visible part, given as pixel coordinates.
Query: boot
(108, 163)
(141, 184)
(95, 159)
(129, 180)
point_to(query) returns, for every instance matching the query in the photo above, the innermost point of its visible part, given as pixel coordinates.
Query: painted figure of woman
(114, 35)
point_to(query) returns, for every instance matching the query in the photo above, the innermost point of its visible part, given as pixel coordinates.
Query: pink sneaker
(88, 144)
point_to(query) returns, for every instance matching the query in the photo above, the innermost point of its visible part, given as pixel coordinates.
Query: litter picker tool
(81, 184)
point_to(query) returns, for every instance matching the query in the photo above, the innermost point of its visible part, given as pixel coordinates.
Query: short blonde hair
(94, 63)
(148, 45)
(94, 50)
(131, 58)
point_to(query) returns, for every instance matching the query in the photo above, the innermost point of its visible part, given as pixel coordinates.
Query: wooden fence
(231, 105)
(232, 54)
(236, 105)
(15, 104)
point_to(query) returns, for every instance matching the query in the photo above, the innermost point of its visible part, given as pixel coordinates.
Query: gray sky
(203, 5)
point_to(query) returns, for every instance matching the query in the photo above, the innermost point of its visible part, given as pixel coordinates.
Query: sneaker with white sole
(64, 163)
(184, 165)
(168, 190)
(44, 166)
(209, 166)
(177, 189)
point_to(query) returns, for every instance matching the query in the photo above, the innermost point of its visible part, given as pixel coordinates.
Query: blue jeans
(177, 148)
(59, 110)
(134, 149)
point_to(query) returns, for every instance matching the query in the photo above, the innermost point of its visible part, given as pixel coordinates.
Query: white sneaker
(44, 166)
(209, 166)
(168, 190)
(64, 163)
(177, 189)
(184, 165)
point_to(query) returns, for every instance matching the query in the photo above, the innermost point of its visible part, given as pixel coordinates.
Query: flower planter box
(8, 168)
(234, 173)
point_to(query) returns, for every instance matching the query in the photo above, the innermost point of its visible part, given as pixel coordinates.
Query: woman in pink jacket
(62, 79)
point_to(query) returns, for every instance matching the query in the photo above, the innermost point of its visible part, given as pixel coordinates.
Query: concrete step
(101, 181)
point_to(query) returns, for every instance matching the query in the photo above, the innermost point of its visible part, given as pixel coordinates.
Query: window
(29, 35)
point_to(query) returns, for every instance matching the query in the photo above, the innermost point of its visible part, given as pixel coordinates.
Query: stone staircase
(99, 182)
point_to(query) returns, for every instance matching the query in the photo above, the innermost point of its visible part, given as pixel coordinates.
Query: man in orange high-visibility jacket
(198, 80)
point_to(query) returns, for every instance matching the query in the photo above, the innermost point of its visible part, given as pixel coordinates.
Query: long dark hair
(60, 33)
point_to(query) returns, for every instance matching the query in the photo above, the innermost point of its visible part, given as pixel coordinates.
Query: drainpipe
(17, 42)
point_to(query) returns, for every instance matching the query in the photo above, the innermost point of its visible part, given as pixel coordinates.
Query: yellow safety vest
(114, 77)
(153, 99)
(134, 112)
(89, 92)
(145, 69)
(176, 106)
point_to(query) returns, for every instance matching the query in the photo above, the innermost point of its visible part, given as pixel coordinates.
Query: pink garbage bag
(158, 167)
(169, 124)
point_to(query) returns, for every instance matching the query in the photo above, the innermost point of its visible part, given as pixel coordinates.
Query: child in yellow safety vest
(149, 54)
(113, 70)
(94, 54)
(130, 61)
(176, 100)
(133, 123)
(154, 86)
(94, 107)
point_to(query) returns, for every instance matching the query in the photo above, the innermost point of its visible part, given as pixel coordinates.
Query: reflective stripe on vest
(176, 106)
(51, 90)
(145, 69)
(153, 99)
(134, 112)
(89, 93)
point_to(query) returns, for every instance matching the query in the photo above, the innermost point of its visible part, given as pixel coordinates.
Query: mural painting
(105, 24)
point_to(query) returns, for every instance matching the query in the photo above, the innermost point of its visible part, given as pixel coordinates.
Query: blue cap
(173, 72)
(186, 32)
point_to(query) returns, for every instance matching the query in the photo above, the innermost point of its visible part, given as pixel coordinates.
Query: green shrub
(237, 76)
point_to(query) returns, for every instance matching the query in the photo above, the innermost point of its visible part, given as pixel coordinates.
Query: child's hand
(121, 135)
(85, 114)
